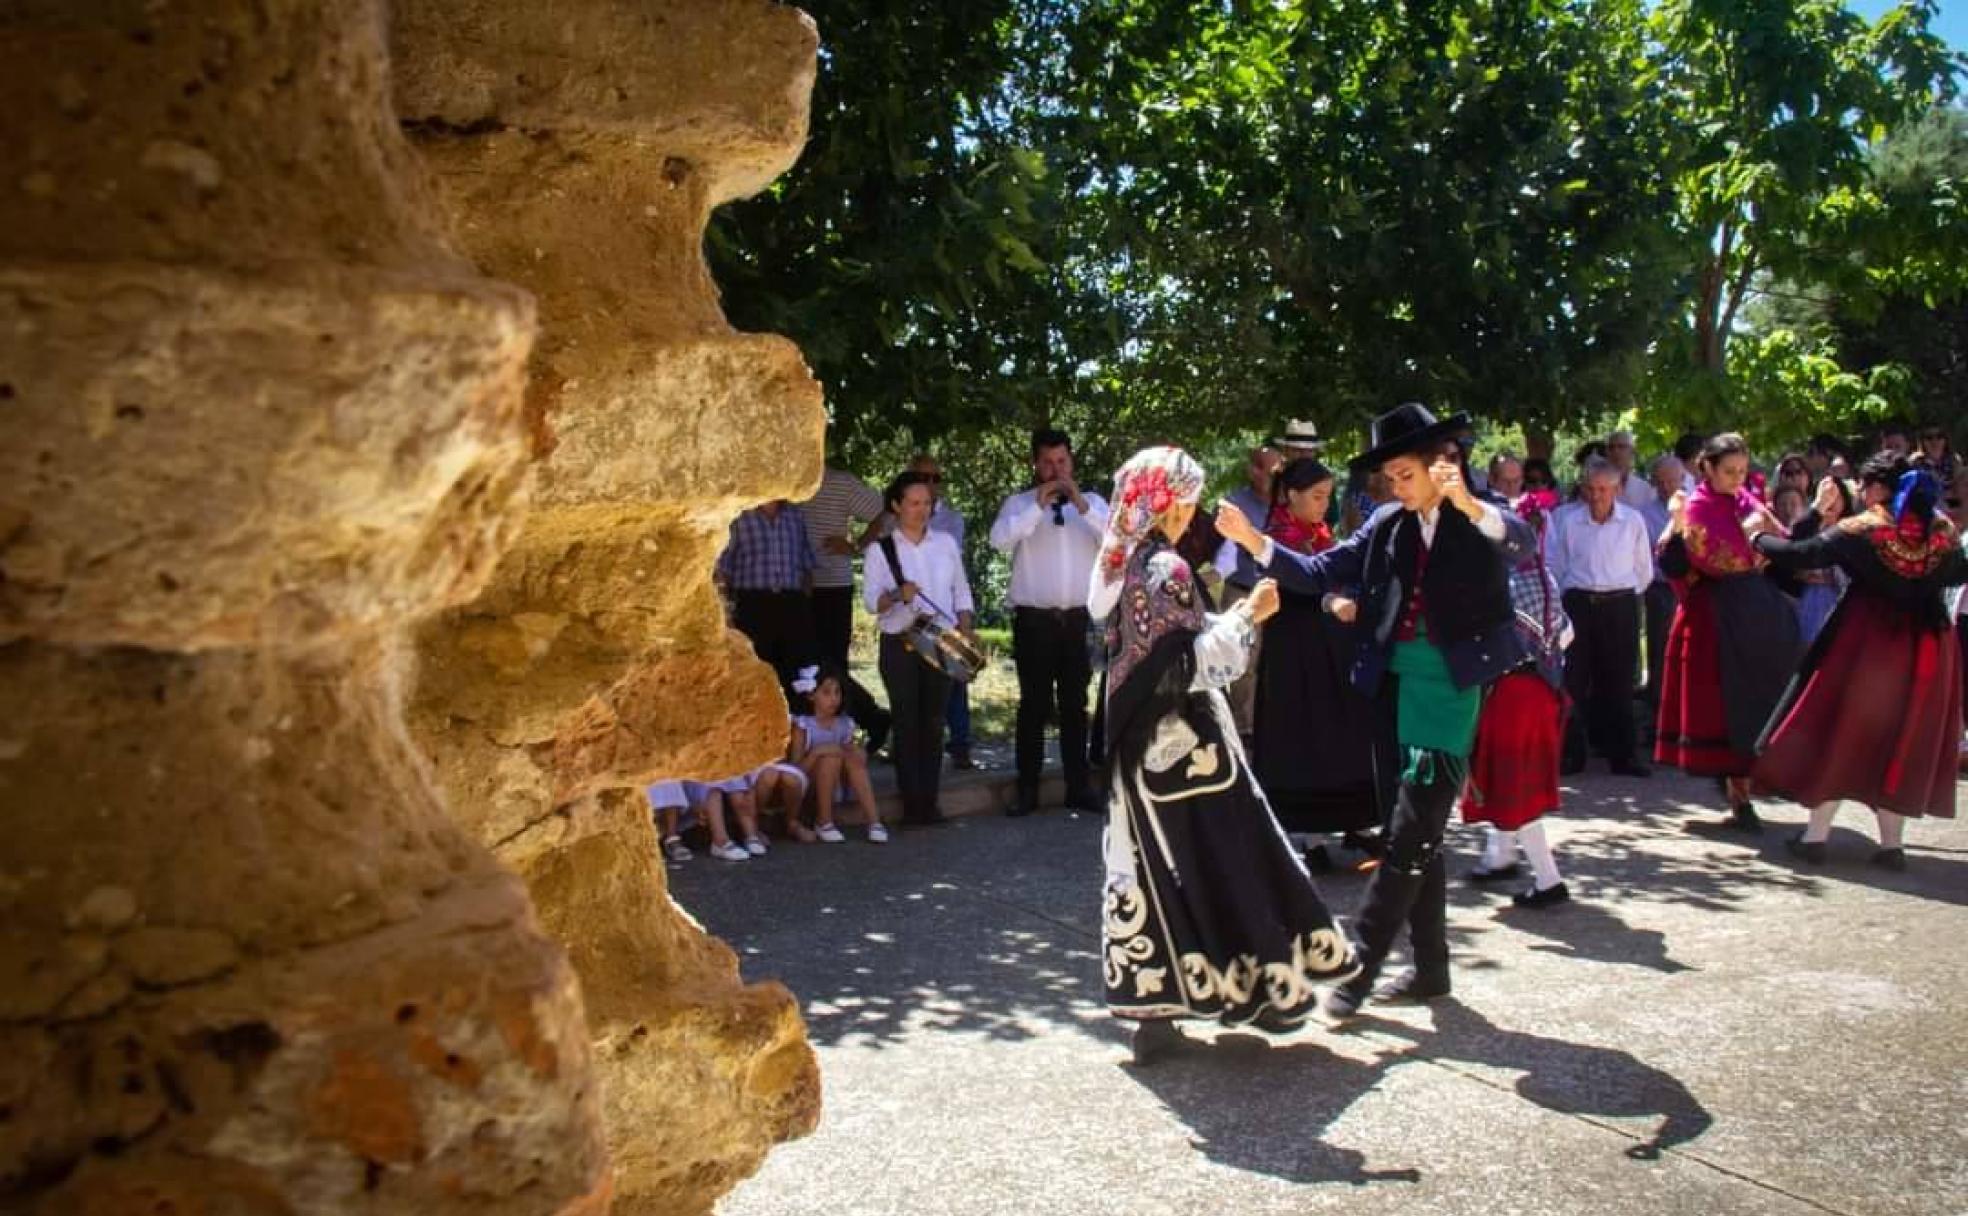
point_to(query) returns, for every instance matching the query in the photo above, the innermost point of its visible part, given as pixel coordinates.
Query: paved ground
(1708, 1028)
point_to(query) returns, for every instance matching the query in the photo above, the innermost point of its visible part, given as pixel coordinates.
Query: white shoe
(877, 834)
(730, 851)
(829, 834)
(675, 849)
(756, 846)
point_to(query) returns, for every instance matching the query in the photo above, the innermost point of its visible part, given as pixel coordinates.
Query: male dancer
(1432, 573)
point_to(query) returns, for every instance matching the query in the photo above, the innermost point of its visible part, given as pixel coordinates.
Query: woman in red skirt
(1874, 713)
(1733, 643)
(1513, 773)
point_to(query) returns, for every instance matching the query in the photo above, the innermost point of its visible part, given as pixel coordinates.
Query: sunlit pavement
(1710, 1026)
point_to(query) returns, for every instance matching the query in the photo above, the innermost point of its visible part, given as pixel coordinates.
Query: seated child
(823, 747)
(670, 804)
(783, 785)
(711, 800)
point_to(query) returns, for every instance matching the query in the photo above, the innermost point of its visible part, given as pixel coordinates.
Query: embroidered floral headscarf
(1147, 487)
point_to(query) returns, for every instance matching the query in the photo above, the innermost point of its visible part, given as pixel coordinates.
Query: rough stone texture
(578, 150)
(254, 417)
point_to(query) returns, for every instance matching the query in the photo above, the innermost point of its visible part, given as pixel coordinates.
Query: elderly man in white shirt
(1599, 552)
(1052, 533)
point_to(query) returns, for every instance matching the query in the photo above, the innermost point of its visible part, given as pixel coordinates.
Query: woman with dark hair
(1318, 740)
(1733, 642)
(1874, 712)
(915, 572)
(1792, 474)
(1208, 912)
(1538, 474)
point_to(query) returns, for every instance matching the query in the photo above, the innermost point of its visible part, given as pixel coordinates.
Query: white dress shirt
(1050, 563)
(936, 568)
(1585, 555)
(1636, 490)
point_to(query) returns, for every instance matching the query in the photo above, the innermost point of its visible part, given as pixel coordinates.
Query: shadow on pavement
(1233, 1093)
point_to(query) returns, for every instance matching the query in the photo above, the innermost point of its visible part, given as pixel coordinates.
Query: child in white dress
(823, 747)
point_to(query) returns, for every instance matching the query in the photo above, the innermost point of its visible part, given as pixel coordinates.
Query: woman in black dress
(1319, 742)
(1208, 912)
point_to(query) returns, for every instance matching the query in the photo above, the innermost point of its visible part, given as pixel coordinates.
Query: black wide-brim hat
(1404, 430)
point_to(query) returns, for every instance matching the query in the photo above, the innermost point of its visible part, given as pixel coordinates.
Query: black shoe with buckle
(1542, 897)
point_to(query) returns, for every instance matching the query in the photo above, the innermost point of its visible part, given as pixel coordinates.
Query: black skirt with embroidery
(1221, 919)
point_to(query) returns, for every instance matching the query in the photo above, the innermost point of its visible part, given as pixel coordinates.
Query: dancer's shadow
(1585, 930)
(1569, 1078)
(1264, 1106)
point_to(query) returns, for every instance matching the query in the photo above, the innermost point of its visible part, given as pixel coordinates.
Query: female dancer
(1733, 642)
(1318, 740)
(1208, 911)
(1874, 713)
(1513, 775)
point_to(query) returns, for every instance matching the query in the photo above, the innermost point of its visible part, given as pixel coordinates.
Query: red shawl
(1285, 528)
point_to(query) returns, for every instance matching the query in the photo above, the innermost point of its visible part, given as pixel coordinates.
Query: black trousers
(833, 627)
(1049, 650)
(1411, 887)
(780, 625)
(917, 694)
(1599, 673)
(1659, 603)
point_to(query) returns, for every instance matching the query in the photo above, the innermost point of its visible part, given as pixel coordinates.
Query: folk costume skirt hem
(1877, 720)
(1513, 775)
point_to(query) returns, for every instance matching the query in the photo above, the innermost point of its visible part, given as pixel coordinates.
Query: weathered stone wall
(578, 149)
(255, 418)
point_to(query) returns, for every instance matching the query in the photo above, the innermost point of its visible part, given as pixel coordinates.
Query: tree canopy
(1149, 219)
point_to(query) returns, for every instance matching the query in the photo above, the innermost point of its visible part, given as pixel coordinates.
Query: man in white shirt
(1634, 489)
(1600, 555)
(1052, 533)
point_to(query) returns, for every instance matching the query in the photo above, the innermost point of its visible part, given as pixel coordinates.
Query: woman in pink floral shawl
(1733, 642)
(1208, 911)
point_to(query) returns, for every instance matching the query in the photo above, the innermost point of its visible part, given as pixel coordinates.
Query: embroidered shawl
(1714, 534)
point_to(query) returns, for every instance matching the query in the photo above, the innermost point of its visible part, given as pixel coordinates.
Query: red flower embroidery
(1160, 501)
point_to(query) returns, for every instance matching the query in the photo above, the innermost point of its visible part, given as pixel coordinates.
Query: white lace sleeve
(1223, 650)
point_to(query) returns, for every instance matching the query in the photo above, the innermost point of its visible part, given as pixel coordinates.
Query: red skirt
(1513, 773)
(1692, 730)
(1877, 720)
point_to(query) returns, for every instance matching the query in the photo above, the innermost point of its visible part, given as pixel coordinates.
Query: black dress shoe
(1089, 802)
(1155, 1038)
(1745, 818)
(960, 759)
(1021, 808)
(1541, 897)
(1340, 1003)
(1411, 987)
(1631, 768)
(1481, 875)
(1812, 851)
(927, 819)
(1890, 859)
